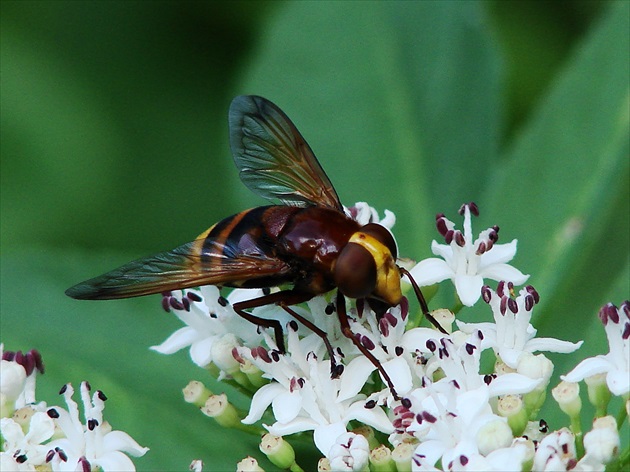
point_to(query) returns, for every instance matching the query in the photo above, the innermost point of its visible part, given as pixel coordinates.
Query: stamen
(486, 294)
(194, 297)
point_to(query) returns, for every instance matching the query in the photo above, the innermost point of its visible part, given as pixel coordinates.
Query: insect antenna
(421, 300)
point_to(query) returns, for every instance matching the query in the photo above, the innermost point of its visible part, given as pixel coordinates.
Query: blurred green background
(114, 145)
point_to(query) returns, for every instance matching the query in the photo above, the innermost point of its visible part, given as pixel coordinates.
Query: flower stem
(622, 416)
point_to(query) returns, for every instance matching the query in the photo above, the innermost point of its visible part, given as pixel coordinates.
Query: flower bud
(219, 408)
(402, 455)
(567, 394)
(381, 459)
(511, 407)
(278, 451)
(494, 435)
(196, 393)
(602, 442)
(249, 464)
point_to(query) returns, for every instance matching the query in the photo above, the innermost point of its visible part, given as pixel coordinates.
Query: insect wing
(273, 158)
(191, 265)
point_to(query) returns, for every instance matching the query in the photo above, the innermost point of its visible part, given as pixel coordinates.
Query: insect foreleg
(335, 369)
(348, 333)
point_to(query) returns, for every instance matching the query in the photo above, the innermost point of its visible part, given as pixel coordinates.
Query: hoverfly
(307, 242)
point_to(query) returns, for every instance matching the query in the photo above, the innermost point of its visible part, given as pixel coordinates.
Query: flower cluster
(454, 396)
(40, 437)
(448, 412)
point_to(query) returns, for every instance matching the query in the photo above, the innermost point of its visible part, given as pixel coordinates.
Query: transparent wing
(194, 264)
(273, 158)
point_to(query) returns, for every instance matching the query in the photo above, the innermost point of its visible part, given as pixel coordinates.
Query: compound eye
(383, 235)
(355, 271)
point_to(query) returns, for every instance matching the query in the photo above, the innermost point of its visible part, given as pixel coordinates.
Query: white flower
(209, 318)
(18, 372)
(363, 214)
(616, 364)
(512, 334)
(468, 262)
(555, 452)
(93, 444)
(349, 453)
(304, 396)
(25, 451)
(453, 418)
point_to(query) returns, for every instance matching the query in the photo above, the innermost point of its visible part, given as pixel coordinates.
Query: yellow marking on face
(387, 274)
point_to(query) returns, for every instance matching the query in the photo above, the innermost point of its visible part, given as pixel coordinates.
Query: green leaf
(563, 190)
(107, 344)
(399, 101)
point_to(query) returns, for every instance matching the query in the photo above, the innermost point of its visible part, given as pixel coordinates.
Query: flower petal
(354, 377)
(551, 345)
(400, 374)
(499, 254)
(286, 406)
(326, 435)
(512, 383)
(430, 271)
(468, 288)
(618, 382)
(201, 352)
(180, 339)
(374, 417)
(112, 461)
(121, 441)
(588, 367)
(505, 272)
(261, 400)
(296, 426)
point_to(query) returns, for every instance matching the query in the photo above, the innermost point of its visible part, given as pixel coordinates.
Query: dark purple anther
(440, 223)
(474, 209)
(529, 302)
(486, 294)
(459, 239)
(503, 305)
(367, 343)
(193, 297)
(448, 237)
(175, 304)
(512, 305)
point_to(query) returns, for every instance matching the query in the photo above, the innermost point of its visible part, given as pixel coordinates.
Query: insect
(306, 242)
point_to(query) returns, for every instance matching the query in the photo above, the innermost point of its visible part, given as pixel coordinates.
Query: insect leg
(347, 331)
(335, 369)
(284, 299)
(423, 303)
(265, 323)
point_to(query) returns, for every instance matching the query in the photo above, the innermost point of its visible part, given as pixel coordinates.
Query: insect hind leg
(284, 299)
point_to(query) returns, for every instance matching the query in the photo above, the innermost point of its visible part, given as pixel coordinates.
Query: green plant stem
(621, 464)
(621, 416)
